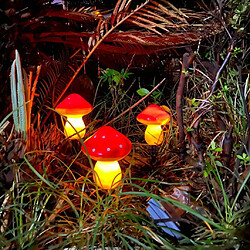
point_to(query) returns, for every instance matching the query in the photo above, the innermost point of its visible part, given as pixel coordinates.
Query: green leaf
(142, 92)
(127, 74)
(117, 78)
(239, 157)
(205, 173)
(213, 145)
(218, 163)
(218, 150)
(189, 129)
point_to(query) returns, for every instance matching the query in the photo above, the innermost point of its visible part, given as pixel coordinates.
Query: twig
(219, 71)
(227, 147)
(196, 139)
(187, 61)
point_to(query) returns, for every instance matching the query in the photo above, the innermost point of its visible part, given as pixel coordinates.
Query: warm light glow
(107, 174)
(154, 116)
(74, 107)
(97, 13)
(78, 124)
(154, 135)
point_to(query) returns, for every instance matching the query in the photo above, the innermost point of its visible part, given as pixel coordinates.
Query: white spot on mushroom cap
(93, 150)
(108, 149)
(121, 146)
(103, 137)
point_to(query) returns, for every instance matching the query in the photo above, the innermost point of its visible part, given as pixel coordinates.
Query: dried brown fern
(150, 28)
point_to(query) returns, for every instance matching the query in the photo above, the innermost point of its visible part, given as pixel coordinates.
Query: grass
(55, 216)
(57, 205)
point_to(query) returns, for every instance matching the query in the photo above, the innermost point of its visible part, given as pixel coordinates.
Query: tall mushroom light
(74, 107)
(154, 117)
(107, 146)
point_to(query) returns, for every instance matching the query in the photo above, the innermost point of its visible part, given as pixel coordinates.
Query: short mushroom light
(154, 117)
(74, 107)
(107, 146)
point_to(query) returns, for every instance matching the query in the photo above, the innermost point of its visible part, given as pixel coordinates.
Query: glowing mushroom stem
(154, 135)
(73, 124)
(107, 174)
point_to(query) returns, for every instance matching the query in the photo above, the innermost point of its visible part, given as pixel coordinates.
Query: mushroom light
(107, 146)
(154, 117)
(74, 107)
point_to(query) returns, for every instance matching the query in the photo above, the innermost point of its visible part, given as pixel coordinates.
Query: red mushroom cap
(153, 115)
(74, 105)
(107, 144)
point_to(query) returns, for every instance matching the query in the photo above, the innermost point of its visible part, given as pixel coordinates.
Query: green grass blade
(188, 209)
(239, 192)
(137, 242)
(38, 175)
(124, 241)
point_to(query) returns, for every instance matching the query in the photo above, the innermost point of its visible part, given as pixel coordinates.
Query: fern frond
(52, 78)
(152, 27)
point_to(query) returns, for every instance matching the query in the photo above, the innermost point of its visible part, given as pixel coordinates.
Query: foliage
(156, 94)
(230, 215)
(111, 75)
(240, 8)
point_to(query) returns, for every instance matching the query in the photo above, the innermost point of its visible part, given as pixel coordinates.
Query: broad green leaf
(142, 92)
(218, 163)
(218, 150)
(117, 79)
(239, 157)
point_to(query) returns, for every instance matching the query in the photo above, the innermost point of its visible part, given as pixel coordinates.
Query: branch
(187, 61)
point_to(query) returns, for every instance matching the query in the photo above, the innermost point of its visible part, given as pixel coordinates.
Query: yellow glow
(107, 174)
(154, 135)
(78, 124)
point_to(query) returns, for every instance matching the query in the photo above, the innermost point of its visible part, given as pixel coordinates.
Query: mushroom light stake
(107, 146)
(154, 117)
(74, 107)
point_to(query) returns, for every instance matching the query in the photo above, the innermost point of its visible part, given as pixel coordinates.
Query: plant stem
(186, 62)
